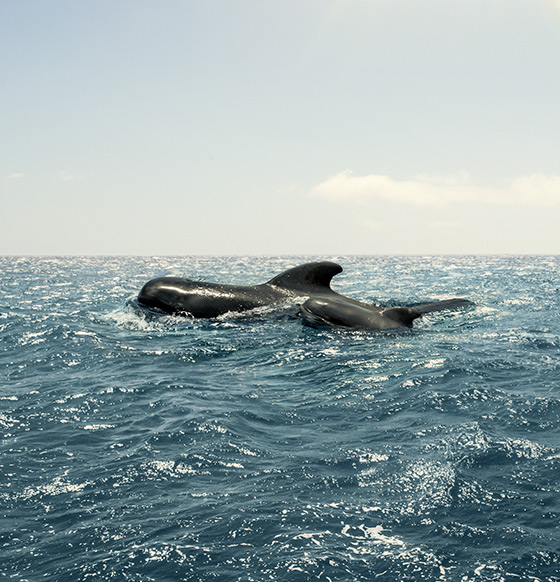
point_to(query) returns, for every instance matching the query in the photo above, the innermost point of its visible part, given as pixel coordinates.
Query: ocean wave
(139, 445)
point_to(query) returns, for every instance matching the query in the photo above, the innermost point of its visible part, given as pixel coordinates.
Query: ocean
(142, 447)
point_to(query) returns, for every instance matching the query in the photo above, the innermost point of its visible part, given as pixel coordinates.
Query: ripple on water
(141, 446)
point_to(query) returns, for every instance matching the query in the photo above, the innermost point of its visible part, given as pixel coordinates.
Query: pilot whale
(310, 282)
(180, 296)
(340, 312)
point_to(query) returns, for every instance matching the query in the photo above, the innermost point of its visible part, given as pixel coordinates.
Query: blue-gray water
(143, 448)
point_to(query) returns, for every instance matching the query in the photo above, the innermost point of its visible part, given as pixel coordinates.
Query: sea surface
(142, 447)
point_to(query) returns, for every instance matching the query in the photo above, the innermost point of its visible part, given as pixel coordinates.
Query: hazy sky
(279, 126)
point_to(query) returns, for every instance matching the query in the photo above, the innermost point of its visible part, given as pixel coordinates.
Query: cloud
(439, 191)
(16, 176)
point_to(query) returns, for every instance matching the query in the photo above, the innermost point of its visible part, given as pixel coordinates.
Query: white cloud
(424, 190)
(16, 176)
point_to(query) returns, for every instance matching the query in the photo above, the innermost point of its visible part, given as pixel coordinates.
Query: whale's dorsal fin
(310, 276)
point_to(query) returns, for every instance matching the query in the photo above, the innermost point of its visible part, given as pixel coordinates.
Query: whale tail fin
(402, 315)
(441, 305)
(308, 277)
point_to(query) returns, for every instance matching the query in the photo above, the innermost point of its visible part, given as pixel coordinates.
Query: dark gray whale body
(199, 299)
(310, 282)
(335, 312)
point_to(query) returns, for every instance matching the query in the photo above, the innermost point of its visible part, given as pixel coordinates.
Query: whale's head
(180, 296)
(173, 295)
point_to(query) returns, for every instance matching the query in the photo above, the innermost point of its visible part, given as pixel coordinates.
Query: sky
(279, 127)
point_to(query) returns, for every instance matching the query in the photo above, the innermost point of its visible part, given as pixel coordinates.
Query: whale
(340, 312)
(199, 299)
(320, 306)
